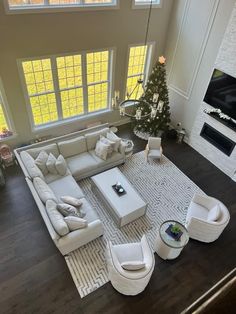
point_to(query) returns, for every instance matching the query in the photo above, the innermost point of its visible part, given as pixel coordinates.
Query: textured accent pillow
(101, 150)
(56, 218)
(41, 160)
(134, 265)
(72, 201)
(111, 144)
(32, 168)
(61, 165)
(69, 210)
(214, 213)
(114, 138)
(51, 164)
(75, 223)
(44, 191)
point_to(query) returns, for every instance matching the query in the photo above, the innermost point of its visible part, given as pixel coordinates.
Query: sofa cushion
(72, 147)
(90, 213)
(56, 218)
(75, 223)
(41, 161)
(214, 213)
(113, 158)
(101, 150)
(51, 164)
(51, 148)
(134, 265)
(61, 165)
(44, 191)
(114, 138)
(197, 211)
(69, 210)
(92, 138)
(81, 164)
(32, 169)
(66, 186)
(76, 202)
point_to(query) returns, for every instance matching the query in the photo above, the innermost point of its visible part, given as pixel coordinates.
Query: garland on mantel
(219, 113)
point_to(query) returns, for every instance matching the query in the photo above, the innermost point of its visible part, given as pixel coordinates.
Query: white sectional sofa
(78, 150)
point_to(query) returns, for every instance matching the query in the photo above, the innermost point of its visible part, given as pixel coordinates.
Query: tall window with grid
(97, 80)
(40, 88)
(138, 65)
(62, 87)
(69, 70)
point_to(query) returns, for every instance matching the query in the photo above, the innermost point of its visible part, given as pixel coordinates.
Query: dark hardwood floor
(34, 277)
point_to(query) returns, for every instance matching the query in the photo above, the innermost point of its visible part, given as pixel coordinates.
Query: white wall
(30, 35)
(194, 37)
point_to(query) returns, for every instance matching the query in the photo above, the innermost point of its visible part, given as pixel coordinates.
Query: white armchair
(133, 255)
(154, 148)
(206, 218)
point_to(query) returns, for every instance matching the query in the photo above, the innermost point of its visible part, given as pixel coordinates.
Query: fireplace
(217, 139)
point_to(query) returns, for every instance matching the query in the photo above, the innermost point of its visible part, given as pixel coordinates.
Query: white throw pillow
(114, 138)
(51, 164)
(134, 265)
(75, 223)
(69, 210)
(41, 160)
(61, 165)
(214, 213)
(56, 218)
(111, 144)
(101, 150)
(72, 201)
(44, 191)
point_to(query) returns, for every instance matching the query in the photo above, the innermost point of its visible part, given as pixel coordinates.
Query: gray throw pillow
(69, 210)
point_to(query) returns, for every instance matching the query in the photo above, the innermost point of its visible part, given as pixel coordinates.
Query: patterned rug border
(87, 264)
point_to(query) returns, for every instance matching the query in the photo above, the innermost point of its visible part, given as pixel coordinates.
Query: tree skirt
(142, 135)
(168, 193)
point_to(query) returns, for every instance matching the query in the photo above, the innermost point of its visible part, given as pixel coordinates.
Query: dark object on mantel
(117, 190)
(221, 93)
(229, 123)
(175, 236)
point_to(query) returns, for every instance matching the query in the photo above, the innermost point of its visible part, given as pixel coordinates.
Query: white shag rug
(168, 192)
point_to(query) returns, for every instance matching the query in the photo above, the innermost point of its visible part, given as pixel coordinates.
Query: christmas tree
(156, 95)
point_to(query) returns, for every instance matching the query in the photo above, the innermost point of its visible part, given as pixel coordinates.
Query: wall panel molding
(190, 77)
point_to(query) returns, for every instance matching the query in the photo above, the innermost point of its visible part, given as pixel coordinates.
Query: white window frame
(148, 62)
(146, 5)
(7, 113)
(46, 8)
(57, 90)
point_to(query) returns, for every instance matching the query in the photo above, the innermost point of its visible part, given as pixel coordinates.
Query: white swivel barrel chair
(130, 266)
(206, 218)
(154, 148)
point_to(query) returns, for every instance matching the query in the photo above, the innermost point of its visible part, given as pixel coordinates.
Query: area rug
(167, 191)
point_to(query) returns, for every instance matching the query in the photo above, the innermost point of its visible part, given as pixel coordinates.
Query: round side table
(165, 245)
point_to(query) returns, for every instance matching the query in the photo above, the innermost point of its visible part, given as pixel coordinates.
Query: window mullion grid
(46, 2)
(84, 82)
(56, 87)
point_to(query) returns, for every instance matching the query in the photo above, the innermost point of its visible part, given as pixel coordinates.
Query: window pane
(25, 2)
(38, 76)
(64, 2)
(97, 66)
(136, 69)
(3, 122)
(69, 71)
(44, 108)
(40, 87)
(97, 97)
(72, 102)
(137, 58)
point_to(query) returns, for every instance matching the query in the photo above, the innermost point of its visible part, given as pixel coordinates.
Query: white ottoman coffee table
(123, 208)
